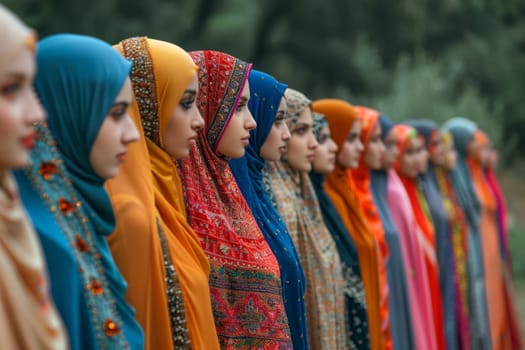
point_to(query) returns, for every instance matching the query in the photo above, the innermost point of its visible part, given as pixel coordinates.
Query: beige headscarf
(28, 318)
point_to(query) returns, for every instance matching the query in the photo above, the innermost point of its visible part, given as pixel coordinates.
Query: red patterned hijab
(245, 283)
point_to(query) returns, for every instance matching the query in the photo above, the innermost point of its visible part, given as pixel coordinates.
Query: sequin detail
(179, 327)
(50, 179)
(143, 81)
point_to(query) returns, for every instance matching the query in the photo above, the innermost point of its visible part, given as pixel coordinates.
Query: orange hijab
(340, 187)
(369, 119)
(155, 249)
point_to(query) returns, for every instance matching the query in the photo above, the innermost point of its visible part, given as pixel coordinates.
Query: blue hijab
(266, 94)
(78, 79)
(462, 131)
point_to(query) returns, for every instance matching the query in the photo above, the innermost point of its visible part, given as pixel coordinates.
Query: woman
(84, 85)
(408, 167)
(346, 130)
(381, 225)
(27, 316)
(459, 236)
(492, 263)
(299, 208)
(394, 204)
(268, 143)
(245, 282)
(152, 244)
(430, 133)
(354, 290)
(462, 131)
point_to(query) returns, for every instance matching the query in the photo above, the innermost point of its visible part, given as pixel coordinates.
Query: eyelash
(240, 106)
(11, 89)
(300, 130)
(187, 104)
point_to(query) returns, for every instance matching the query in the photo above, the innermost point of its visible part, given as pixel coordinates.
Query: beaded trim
(144, 88)
(179, 328)
(49, 178)
(227, 106)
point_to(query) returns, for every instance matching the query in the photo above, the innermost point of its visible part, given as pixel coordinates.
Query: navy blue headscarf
(266, 94)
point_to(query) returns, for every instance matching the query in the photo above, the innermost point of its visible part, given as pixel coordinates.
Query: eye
(119, 110)
(322, 138)
(187, 103)
(301, 130)
(241, 106)
(11, 89)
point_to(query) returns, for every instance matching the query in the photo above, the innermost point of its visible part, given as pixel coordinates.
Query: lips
(121, 156)
(311, 157)
(246, 140)
(28, 141)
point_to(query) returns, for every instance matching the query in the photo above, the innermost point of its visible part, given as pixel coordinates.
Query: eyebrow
(121, 104)
(15, 75)
(303, 124)
(243, 99)
(190, 91)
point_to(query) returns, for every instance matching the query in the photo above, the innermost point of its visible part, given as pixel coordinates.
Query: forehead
(305, 117)
(19, 62)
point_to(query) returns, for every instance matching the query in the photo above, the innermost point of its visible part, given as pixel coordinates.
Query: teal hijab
(77, 95)
(78, 80)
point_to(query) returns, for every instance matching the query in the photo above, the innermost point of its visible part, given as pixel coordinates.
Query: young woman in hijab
(387, 186)
(408, 167)
(296, 202)
(354, 290)
(346, 130)
(245, 282)
(156, 250)
(360, 178)
(499, 320)
(489, 165)
(430, 133)
(372, 198)
(28, 318)
(268, 143)
(462, 131)
(84, 85)
(458, 226)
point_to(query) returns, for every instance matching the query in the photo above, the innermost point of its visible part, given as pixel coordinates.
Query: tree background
(409, 59)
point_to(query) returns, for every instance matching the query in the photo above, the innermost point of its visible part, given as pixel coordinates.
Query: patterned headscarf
(296, 102)
(319, 122)
(266, 94)
(244, 271)
(297, 203)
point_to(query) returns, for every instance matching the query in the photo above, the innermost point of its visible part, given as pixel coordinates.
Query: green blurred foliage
(410, 59)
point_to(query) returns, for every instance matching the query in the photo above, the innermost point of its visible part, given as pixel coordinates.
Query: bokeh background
(408, 58)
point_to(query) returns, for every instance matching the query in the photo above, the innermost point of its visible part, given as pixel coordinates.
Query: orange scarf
(340, 187)
(152, 235)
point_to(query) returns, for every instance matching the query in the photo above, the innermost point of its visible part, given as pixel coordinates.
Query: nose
(249, 123)
(286, 133)
(130, 134)
(312, 142)
(333, 146)
(360, 146)
(197, 122)
(34, 112)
